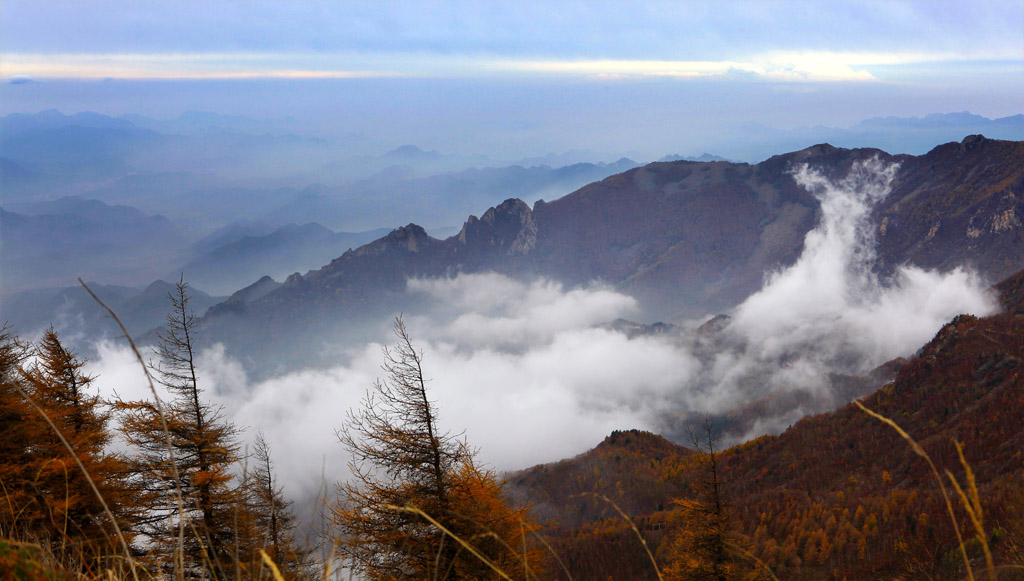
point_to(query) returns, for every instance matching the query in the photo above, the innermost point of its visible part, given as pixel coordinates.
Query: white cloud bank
(524, 370)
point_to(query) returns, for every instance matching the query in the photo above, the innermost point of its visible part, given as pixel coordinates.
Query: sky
(521, 75)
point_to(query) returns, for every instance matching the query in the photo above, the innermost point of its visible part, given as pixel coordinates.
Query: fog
(526, 372)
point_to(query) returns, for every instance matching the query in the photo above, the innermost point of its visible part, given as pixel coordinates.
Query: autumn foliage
(838, 495)
(55, 432)
(418, 507)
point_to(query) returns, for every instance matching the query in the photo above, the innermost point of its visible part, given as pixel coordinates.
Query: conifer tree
(197, 464)
(705, 544)
(20, 427)
(66, 509)
(404, 471)
(271, 524)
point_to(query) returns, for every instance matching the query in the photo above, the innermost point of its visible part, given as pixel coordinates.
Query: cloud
(778, 66)
(187, 66)
(528, 374)
(495, 311)
(830, 312)
(648, 30)
(832, 301)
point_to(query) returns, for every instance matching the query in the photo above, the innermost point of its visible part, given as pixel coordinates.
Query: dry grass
(968, 497)
(33, 561)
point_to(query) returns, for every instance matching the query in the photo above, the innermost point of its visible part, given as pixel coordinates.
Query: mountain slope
(288, 249)
(840, 493)
(963, 203)
(74, 312)
(684, 238)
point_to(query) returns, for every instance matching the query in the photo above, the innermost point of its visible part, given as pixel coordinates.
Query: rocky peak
(715, 324)
(411, 237)
(972, 143)
(260, 288)
(641, 441)
(508, 227)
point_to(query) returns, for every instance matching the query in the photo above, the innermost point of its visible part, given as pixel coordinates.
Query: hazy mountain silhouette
(285, 250)
(52, 243)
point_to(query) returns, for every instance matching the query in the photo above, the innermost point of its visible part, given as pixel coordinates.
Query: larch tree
(270, 521)
(410, 480)
(706, 542)
(68, 511)
(20, 428)
(186, 453)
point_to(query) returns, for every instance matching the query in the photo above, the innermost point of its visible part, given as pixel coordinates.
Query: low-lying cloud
(527, 371)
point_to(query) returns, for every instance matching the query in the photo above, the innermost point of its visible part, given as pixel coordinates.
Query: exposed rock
(507, 229)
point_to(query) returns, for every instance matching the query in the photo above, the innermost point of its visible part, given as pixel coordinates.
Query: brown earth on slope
(841, 494)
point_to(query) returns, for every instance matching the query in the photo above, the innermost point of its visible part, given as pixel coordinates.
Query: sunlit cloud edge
(785, 67)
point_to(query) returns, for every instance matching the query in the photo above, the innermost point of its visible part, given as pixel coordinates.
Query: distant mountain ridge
(278, 253)
(76, 313)
(40, 246)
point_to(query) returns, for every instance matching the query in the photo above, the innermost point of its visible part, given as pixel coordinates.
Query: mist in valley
(535, 371)
(314, 170)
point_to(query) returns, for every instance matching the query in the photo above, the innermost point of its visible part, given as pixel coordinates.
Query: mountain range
(684, 238)
(837, 493)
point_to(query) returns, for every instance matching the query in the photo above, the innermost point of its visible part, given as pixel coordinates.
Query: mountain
(837, 494)
(702, 157)
(53, 243)
(684, 238)
(75, 313)
(399, 193)
(19, 123)
(947, 212)
(288, 249)
(85, 146)
(561, 491)
(910, 135)
(203, 122)
(74, 154)
(957, 121)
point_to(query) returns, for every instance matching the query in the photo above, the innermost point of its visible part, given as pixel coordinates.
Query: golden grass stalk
(632, 525)
(483, 558)
(88, 478)
(554, 554)
(273, 567)
(761, 564)
(972, 503)
(179, 564)
(973, 507)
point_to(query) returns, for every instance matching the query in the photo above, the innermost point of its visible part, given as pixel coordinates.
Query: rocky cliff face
(507, 230)
(962, 203)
